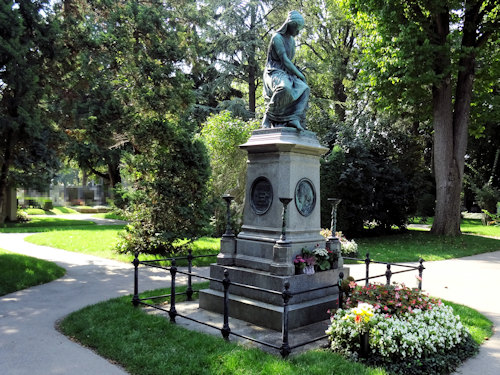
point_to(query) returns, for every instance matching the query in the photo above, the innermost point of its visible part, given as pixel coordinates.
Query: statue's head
(293, 24)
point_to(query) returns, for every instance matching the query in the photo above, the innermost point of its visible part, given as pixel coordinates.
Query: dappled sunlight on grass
(410, 246)
(20, 271)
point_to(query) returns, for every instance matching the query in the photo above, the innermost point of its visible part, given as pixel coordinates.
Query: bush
(47, 205)
(22, 217)
(222, 133)
(488, 196)
(167, 200)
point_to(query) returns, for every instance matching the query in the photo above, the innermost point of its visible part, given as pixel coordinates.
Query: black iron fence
(387, 274)
(283, 347)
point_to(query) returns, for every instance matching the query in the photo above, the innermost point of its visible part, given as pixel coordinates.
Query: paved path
(471, 281)
(29, 343)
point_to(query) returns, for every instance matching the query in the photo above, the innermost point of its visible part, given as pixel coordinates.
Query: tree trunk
(4, 172)
(114, 174)
(451, 131)
(448, 182)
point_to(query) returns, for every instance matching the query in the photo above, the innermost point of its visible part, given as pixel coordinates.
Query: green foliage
(378, 178)
(28, 137)
(488, 197)
(222, 134)
(168, 195)
(123, 69)
(19, 272)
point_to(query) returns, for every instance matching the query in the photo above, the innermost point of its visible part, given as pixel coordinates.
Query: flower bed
(409, 332)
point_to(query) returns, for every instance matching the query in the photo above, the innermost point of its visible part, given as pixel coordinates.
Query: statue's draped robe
(286, 94)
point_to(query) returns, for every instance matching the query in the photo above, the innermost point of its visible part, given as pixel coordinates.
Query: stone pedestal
(265, 309)
(282, 163)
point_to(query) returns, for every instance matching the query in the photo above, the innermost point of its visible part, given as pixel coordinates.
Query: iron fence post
(341, 292)
(172, 312)
(285, 348)
(135, 262)
(225, 328)
(421, 269)
(229, 230)
(388, 274)
(189, 290)
(367, 262)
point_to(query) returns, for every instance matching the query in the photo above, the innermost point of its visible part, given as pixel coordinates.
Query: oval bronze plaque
(261, 195)
(305, 197)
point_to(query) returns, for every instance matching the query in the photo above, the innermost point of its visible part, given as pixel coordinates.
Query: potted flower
(322, 258)
(310, 263)
(299, 264)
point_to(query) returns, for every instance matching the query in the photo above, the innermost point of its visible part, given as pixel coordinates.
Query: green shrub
(22, 216)
(47, 205)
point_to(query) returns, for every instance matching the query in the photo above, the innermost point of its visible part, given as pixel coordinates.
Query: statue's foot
(266, 123)
(295, 124)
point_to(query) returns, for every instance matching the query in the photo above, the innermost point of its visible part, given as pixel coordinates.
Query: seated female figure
(285, 89)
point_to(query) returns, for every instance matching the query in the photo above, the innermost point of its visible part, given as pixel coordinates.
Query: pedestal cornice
(284, 139)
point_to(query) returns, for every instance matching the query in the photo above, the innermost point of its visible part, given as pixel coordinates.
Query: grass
(412, 245)
(20, 271)
(149, 344)
(92, 240)
(476, 227)
(101, 241)
(115, 330)
(109, 215)
(43, 224)
(58, 210)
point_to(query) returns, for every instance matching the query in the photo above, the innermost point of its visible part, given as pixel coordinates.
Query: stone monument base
(266, 309)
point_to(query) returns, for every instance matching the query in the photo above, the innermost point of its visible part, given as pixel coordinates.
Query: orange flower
(358, 319)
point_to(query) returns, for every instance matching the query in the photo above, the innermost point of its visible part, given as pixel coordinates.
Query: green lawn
(43, 224)
(101, 241)
(58, 210)
(115, 330)
(149, 344)
(98, 240)
(476, 227)
(478, 325)
(20, 271)
(412, 245)
(109, 215)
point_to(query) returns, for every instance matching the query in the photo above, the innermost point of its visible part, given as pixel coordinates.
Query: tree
(222, 134)
(28, 138)
(167, 201)
(328, 53)
(123, 68)
(378, 177)
(425, 53)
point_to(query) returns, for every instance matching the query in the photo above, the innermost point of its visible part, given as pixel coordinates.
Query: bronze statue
(285, 89)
